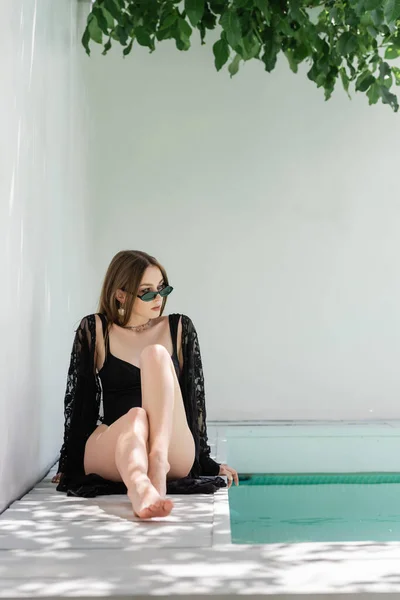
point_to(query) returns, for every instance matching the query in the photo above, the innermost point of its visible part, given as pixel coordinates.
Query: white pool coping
(53, 546)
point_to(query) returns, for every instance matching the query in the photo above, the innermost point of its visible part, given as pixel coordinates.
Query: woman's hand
(230, 473)
(56, 478)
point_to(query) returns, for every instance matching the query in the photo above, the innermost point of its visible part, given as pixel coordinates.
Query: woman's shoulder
(180, 317)
(186, 327)
(92, 321)
(89, 318)
(92, 327)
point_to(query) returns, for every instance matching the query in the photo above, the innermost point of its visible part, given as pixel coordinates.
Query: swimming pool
(279, 511)
(315, 507)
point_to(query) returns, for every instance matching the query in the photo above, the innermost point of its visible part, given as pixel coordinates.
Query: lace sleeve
(80, 367)
(208, 465)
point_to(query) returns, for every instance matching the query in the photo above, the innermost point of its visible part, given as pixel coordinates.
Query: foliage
(347, 40)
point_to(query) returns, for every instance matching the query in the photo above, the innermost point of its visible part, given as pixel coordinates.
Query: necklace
(138, 327)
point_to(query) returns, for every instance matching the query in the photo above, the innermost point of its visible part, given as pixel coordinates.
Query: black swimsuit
(121, 381)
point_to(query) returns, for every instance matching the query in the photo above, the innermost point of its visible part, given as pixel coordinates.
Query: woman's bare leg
(119, 452)
(171, 444)
(158, 400)
(132, 464)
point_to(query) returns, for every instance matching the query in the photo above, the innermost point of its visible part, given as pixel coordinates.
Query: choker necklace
(137, 327)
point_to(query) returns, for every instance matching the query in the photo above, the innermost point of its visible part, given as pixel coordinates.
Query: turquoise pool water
(286, 508)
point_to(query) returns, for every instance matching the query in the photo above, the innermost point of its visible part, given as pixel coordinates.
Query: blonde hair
(125, 272)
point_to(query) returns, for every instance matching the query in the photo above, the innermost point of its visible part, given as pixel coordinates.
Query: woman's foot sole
(160, 508)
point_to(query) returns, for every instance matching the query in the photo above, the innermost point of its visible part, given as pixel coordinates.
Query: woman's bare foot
(160, 508)
(146, 501)
(157, 472)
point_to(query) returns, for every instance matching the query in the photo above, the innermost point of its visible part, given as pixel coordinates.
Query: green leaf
(291, 60)
(389, 98)
(221, 53)
(329, 87)
(345, 80)
(128, 48)
(372, 4)
(234, 66)
(184, 27)
(315, 74)
(377, 17)
(265, 10)
(392, 52)
(347, 43)
(182, 43)
(194, 10)
(374, 60)
(365, 19)
(364, 81)
(230, 23)
(374, 93)
(391, 9)
(250, 47)
(86, 40)
(183, 33)
(168, 21)
(217, 6)
(396, 73)
(209, 20)
(352, 70)
(94, 30)
(120, 34)
(202, 31)
(101, 19)
(300, 52)
(108, 17)
(113, 9)
(385, 75)
(107, 47)
(167, 29)
(269, 57)
(359, 8)
(143, 37)
(284, 26)
(165, 34)
(395, 39)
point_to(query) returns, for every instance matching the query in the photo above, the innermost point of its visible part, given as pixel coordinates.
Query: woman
(143, 372)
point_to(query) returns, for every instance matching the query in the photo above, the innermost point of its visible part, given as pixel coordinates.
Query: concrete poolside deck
(54, 546)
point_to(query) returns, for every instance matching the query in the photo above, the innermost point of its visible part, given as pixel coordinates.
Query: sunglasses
(149, 296)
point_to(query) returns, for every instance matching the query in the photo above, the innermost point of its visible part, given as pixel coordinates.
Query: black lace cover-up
(82, 412)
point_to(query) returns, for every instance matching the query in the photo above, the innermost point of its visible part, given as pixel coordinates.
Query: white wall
(277, 217)
(44, 230)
